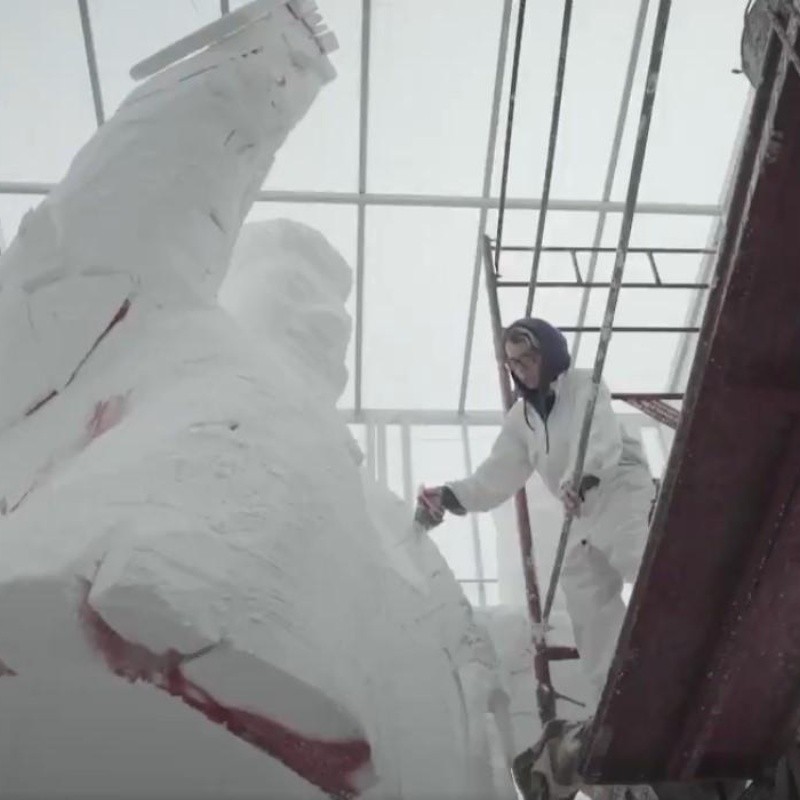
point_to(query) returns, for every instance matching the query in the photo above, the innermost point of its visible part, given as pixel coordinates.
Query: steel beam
(480, 418)
(512, 103)
(555, 118)
(91, 61)
(416, 416)
(488, 170)
(428, 201)
(580, 249)
(405, 450)
(476, 533)
(363, 137)
(600, 285)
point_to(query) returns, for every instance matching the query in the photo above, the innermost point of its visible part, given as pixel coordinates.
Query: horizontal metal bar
(25, 187)
(561, 653)
(478, 580)
(415, 416)
(451, 417)
(430, 201)
(454, 201)
(645, 250)
(599, 285)
(630, 329)
(646, 396)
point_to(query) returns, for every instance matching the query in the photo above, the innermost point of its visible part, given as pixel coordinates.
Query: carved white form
(181, 502)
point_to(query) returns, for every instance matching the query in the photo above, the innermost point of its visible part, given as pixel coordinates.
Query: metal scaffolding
(493, 250)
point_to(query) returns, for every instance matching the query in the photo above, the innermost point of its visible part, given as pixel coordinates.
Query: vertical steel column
(555, 118)
(363, 136)
(383, 456)
(369, 435)
(91, 61)
(476, 534)
(488, 170)
(405, 447)
(512, 101)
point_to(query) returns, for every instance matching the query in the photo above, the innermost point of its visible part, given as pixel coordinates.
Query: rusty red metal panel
(745, 706)
(706, 678)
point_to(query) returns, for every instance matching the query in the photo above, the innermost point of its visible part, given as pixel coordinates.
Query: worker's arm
(505, 471)
(604, 447)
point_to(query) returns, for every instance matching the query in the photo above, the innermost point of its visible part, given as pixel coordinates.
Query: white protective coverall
(607, 541)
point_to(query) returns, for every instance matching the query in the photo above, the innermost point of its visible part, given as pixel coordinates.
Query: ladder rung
(561, 653)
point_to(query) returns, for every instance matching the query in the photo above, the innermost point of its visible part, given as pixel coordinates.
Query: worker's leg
(593, 590)
(606, 551)
(624, 527)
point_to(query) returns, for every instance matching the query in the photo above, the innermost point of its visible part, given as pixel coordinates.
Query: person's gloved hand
(430, 511)
(432, 502)
(572, 498)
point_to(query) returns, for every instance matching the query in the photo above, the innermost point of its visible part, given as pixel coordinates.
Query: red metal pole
(545, 696)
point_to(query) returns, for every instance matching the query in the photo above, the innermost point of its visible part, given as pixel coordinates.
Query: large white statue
(181, 503)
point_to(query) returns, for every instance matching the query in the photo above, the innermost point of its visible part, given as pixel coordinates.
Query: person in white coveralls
(611, 505)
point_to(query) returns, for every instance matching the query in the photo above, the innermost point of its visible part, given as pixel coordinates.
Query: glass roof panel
(597, 57)
(433, 69)
(416, 295)
(699, 106)
(126, 31)
(45, 97)
(699, 101)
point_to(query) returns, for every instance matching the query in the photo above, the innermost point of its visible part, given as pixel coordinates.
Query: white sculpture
(181, 505)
